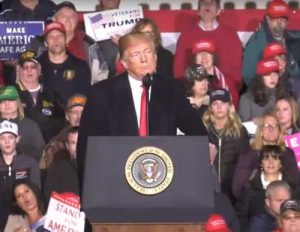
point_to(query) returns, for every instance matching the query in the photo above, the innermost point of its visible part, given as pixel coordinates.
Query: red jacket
(229, 54)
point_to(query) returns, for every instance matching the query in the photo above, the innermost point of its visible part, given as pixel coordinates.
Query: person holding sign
(109, 47)
(28, 211)
(107, 5)
(34, 10)
(23, 10)
(77, 42)
(14, 166)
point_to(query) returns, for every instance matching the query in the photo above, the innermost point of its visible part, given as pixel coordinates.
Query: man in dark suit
(113, 105)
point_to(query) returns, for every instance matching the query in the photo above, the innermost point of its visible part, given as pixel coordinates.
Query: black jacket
(165, 60)
(249, 161)
(61, 176)
(110, 112)
(229, 150)
(65, 79)
(251, 201)
(45, 111)
(15, 11)
(22, 167)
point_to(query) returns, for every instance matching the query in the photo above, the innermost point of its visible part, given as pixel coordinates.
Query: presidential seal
(149, 170)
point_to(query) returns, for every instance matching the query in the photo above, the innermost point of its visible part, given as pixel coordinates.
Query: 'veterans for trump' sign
(103, 25)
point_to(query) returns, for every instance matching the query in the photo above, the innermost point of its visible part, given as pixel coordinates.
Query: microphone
(147, 80)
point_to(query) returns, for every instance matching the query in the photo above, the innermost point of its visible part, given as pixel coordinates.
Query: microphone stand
(147, 82)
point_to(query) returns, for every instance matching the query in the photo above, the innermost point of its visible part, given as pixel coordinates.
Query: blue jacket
(253, 51)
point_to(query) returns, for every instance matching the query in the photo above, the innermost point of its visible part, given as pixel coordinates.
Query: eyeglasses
(271, 156)
(27, 67)
(270, 126)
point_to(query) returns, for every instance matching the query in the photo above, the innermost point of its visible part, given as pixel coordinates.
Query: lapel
(123, 107)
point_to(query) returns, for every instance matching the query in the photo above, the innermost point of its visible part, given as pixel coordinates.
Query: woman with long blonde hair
(287, 112)
(268, 132)
(228, 138)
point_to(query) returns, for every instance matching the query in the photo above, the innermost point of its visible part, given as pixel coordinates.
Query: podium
(110, 201)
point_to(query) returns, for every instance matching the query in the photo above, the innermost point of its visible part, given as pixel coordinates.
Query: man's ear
(124, 64)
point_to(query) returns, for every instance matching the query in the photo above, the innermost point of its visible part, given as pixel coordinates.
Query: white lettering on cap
(203, 45)
(218, 92)
(270, 64)
(7, 126)
(280, 8)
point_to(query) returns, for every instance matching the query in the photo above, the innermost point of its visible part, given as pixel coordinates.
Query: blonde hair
(131, 39)
(20, 110)
(233, 125)
(294, 107)
(257, 142)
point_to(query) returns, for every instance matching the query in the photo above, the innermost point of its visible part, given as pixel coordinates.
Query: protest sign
(293, 142)
(102, 25)
(64, 214)
(15, 35)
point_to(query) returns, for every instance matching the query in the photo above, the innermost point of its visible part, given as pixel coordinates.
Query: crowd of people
(66, 87)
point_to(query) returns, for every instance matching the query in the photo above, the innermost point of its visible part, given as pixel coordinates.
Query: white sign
(103, 25)
(64, 214)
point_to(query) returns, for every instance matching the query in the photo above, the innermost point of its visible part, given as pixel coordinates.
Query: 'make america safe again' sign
(15, 35)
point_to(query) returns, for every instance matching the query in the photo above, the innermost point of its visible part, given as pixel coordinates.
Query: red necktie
(143, 115)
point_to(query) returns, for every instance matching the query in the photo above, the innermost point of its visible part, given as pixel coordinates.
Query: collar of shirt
(215, 24)
(265, 183)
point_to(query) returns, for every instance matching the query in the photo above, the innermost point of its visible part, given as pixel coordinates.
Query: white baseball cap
(8, 127)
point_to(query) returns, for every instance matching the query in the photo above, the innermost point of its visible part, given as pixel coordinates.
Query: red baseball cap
(216, 223)
(204, 46)
(273, 49)
(278, 8)
(54, 26)
(267, 66)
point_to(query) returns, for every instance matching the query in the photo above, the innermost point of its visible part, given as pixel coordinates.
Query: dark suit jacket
(110, 111)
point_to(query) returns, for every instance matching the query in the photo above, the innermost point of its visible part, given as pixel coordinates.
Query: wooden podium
(148, 227)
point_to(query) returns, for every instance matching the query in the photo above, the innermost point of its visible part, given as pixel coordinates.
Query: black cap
(65, 4)
(197, 72)
(220, 94)
(27, 56)
(290, 205)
